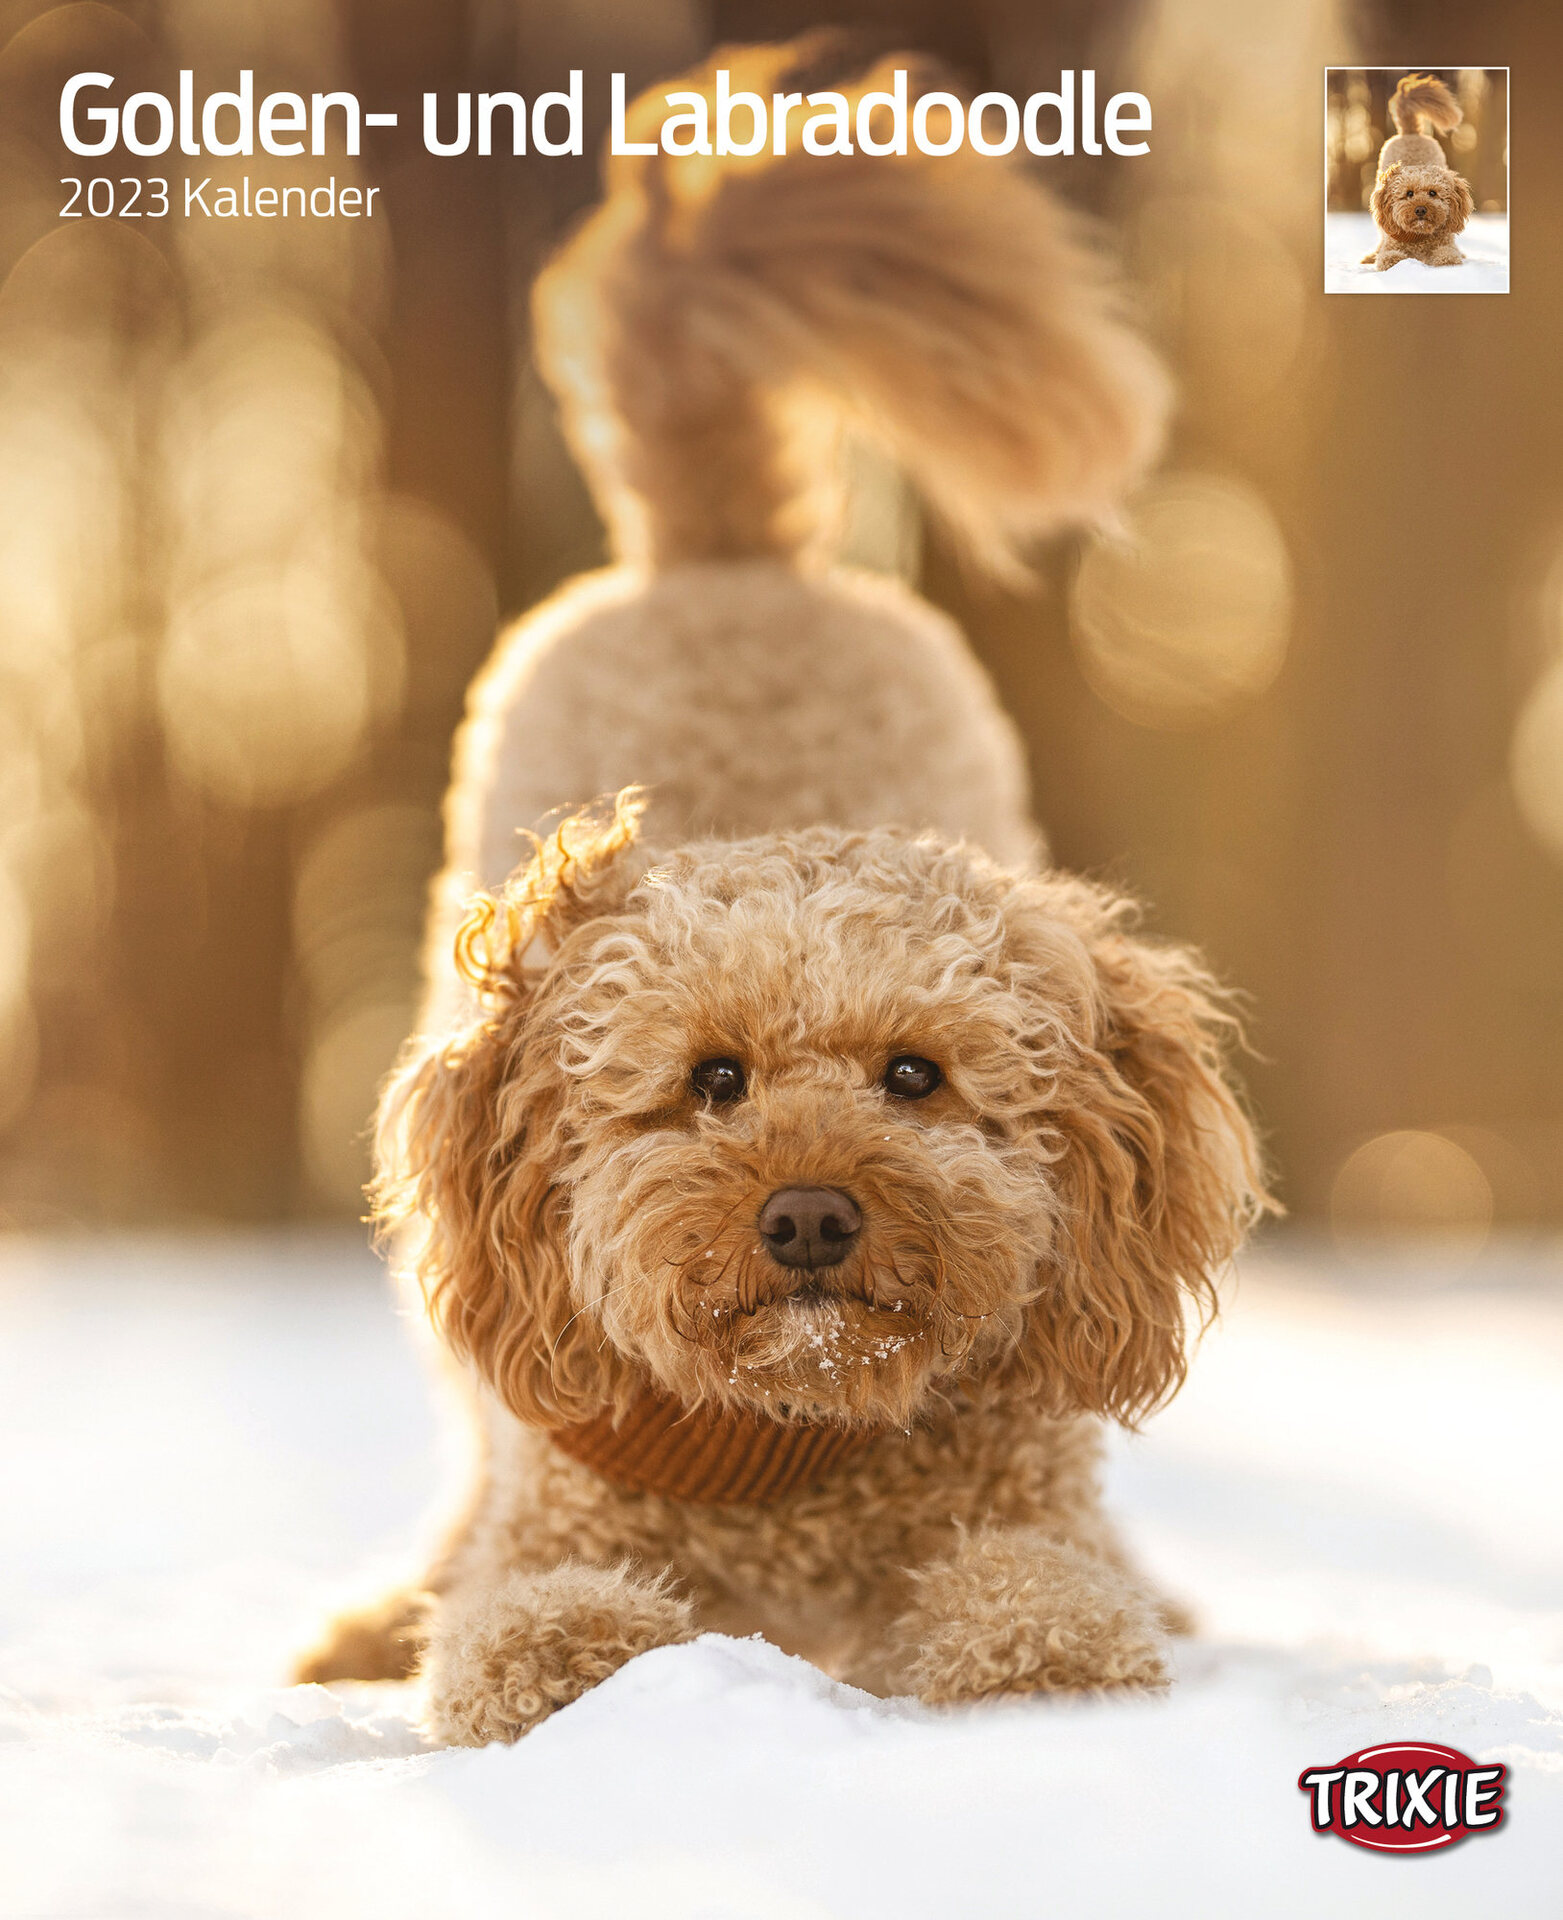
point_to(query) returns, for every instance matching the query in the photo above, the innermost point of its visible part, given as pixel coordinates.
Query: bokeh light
(1412, 1186)
(82, 312)
(1536, 759)
(283, 645)
(190, 467)
(344, 1066)
(358, 903)
(15, 947)
(18, 1059)
(1225, 290)
(446, 596)
(265, 684)
(1498, 875)
(269, 429)
(231, 654)
(1185, 615)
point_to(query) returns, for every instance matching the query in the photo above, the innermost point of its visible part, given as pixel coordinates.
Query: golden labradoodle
(797, 1175)
(1419, 203)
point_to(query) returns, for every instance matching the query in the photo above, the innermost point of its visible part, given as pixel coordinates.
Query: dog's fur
(803, 892)
(1419, 203)
(1419, 102)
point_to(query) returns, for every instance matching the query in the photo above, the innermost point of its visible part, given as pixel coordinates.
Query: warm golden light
(1186, 615)
(1225, 289)
(1412, 1185)
(269, 431)
(263, 688)
(1536, 760)
(342, 1071)
(358, 900)
(15, 946)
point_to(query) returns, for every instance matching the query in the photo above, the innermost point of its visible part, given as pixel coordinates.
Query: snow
(1484, 242)
(211, 1443)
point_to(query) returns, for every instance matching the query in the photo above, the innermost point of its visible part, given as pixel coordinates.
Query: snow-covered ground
(1484, 242)
(206, 1445)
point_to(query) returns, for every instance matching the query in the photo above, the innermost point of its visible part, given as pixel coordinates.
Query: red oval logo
(1408, 1796)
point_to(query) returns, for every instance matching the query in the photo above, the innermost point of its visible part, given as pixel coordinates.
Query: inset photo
(1416, 190)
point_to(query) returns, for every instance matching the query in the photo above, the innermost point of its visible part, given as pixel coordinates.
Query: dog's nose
(809, 1226)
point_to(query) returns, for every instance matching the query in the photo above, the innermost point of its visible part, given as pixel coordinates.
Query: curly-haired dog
(1418, 202)
(1418, 210)
(798, 1185)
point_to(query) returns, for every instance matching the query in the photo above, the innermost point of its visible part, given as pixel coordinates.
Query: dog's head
(812, 1124)
(1418, 203)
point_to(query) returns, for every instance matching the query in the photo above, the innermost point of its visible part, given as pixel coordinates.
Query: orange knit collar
(715, 1456)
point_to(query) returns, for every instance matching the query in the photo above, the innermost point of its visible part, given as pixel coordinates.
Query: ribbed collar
(714, 1456)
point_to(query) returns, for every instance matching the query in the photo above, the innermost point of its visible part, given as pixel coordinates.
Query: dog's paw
(1019, 1612)
(502, 1658)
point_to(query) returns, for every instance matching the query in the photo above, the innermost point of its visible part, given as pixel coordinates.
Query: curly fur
(1418, 210)
(1034, 1233)
(511, 1653)
(1084, 1154)
(807, 764)
(953, 307)
(707, 332)
(1419, 102)
(1022, 1610)
(742, 695)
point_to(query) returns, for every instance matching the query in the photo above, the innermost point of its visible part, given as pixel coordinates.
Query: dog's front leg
(1021, 1610)
(504, 1655)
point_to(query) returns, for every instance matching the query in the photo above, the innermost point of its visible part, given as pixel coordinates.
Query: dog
(1419, 203)
(798, 1172)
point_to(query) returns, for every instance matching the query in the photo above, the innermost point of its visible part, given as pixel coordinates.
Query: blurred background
(266, 488)
(1357, 124)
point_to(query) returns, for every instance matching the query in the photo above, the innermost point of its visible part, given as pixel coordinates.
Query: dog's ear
(1464, 201)
(468, 1142)
(1383, 189)
(1154, 1161)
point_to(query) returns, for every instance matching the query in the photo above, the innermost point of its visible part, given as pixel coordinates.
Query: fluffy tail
(1420, 98)
(948, 307)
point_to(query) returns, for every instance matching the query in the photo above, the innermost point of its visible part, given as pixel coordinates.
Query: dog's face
(811, 1124)
(1420, 203)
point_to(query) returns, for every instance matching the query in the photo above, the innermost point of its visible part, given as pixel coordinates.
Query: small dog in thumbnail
(1419, 202)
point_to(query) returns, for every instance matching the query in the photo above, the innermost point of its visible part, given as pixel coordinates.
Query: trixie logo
(1406, 1798)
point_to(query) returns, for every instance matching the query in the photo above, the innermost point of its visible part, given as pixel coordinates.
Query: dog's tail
(947, 307)
(1420, 98)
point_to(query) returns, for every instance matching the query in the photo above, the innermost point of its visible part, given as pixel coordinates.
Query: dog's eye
(720, 1081)
(909, 1077)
